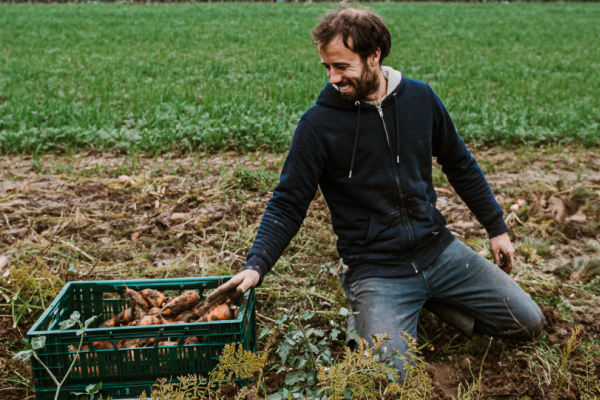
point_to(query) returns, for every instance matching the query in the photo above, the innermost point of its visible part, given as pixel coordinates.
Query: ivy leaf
(310, 378)
(294, 377)
(276, 396)
(93, 389)
(344, 311)
(25, 341)
(353, 334)
(265, 331)
(23, 354)
(347, 394)
(38, 342)
(66, 324)
(283, 350)
(391, 377)
(308, 315)
(334, 333)
(319, 332)
(89, 321)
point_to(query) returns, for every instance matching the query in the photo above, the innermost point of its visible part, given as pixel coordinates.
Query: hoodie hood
(330, 94)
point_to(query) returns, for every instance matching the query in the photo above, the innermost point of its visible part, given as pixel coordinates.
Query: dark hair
(367, 30)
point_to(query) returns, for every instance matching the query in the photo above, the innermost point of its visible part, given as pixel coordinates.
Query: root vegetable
(132, 344)
(181, 303)
(214, 299)
(137, 300)
(185, 317)
(153, 311)
(109, 324)
(154, 297)
(149, 320)
(220, 312)
(192, 340)
(124, 317)
(102, 345)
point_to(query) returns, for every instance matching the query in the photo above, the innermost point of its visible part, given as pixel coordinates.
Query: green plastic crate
(126, 373)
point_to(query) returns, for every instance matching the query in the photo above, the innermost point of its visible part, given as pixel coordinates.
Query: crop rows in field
(216, 76)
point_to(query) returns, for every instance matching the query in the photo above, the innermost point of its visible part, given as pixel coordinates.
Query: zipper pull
(380, 112)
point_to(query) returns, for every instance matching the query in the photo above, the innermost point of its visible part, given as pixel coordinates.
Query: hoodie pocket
(425, 219)
(383, 228)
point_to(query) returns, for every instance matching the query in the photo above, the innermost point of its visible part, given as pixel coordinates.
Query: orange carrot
(220, 312)
(154, 297)
(176, 305)
(149, 320)
(137, 300)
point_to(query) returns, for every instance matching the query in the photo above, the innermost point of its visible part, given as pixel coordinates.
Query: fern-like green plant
(234, 363)
(566, 358)
(370, 373)
(585, 371)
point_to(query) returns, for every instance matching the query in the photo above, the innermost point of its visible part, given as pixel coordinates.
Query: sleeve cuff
(496, 227)
(259, 265)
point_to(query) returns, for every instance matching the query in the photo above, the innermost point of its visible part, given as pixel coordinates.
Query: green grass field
(215, 76)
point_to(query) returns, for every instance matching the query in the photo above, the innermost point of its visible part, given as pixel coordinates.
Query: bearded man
(368, 143)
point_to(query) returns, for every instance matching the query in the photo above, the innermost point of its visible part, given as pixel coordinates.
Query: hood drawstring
(355, 138)
(397, 131)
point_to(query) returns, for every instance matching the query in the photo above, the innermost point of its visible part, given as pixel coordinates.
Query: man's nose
(334, 77)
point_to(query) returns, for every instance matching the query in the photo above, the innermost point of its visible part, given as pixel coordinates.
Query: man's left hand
(503, 252)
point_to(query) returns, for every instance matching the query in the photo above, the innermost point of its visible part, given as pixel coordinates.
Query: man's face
(355, 79)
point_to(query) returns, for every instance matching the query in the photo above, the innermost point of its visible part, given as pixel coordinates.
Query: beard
(363, 87)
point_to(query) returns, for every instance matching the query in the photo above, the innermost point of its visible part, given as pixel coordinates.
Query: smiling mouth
(344, 88)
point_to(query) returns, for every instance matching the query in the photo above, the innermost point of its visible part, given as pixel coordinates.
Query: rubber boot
(454, 317)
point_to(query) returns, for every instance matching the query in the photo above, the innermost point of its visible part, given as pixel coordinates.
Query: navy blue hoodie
(374, 165)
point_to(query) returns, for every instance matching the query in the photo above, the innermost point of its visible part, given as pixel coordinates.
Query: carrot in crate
(154, 297)
(183, 302)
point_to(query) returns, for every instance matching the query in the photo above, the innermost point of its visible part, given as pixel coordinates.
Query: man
(368, 143)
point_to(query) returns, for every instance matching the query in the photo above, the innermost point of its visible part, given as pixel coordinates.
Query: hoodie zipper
(397, 180)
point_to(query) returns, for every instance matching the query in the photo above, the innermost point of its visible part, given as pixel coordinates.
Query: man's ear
(374, 58)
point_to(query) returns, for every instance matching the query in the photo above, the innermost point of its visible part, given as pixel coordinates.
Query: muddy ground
(72, 218)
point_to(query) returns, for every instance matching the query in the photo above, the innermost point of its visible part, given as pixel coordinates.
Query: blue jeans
(460, 278)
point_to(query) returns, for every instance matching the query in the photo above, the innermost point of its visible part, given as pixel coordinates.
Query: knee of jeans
(537, 323)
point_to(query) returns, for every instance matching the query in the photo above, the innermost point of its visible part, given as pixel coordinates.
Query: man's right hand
(242, 282)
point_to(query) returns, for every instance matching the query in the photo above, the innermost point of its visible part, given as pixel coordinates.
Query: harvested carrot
(124, 317)
(154, 297)
(102, 345)
(153, 311)
(192, 340)
(137, 300)
(149, 320)
(220, 312)
(176, 305)
(109, 324)
(185, 317)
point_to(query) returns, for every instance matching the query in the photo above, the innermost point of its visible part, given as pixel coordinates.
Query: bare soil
(73, 216)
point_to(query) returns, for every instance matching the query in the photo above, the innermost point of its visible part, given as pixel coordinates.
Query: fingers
(496, 256)
(251, 279)
(509, 261)
(226, 287)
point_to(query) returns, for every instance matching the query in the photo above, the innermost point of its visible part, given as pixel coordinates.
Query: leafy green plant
(585, 370)
(90, 391)
(369, 372)
(301, 349)
(234, 363)
(39, 342)
(566, 359)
